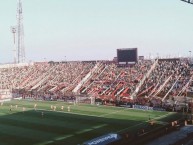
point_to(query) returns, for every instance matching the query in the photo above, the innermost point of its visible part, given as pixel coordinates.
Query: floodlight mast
(14, 30)
(20, 34)
(188, 1)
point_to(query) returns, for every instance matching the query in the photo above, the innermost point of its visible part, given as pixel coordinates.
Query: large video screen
(127, 55)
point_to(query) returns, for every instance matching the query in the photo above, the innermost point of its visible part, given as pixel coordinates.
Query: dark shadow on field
(154, 130)
(49, 127)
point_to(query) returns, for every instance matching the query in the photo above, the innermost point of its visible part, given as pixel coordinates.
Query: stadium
(127, 100)
(74, 102)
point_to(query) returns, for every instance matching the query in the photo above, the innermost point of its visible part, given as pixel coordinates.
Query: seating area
(165, 76)
(147, 80)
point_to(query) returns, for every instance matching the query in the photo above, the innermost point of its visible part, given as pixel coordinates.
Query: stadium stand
(148, 82)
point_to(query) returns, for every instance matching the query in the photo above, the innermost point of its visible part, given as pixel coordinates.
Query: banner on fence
(141, 107)
(103, 140)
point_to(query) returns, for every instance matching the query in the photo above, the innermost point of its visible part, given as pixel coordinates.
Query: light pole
(190, 54)
(157, 55)
(188, 1)
(14, 30)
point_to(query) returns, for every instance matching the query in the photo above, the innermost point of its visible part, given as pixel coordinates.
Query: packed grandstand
(148, 82)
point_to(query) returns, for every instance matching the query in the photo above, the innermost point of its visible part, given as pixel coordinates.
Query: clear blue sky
(94, 29)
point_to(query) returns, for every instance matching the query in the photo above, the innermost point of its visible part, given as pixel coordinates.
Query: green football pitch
(21, 124)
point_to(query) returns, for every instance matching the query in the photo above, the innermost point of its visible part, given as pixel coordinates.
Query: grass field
(82, 123)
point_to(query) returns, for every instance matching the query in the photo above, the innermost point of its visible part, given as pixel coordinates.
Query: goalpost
(5, 95)
(88, 99)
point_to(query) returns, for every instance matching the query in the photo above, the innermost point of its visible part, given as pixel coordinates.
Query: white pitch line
(100, 116)
(70, 135)
(45, 143)
(111, 113)
(143, 122)
(63, 137)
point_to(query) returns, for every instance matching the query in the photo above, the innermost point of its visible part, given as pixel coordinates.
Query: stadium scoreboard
(127, 55)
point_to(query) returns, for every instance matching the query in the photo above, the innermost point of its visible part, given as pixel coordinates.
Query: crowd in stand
(142, 82)
(166, 80)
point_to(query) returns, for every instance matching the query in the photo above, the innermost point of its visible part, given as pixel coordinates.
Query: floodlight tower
(20, 34)
(13, 30)
(188, 1)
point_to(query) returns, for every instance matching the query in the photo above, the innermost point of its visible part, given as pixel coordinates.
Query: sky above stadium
(93, 29)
